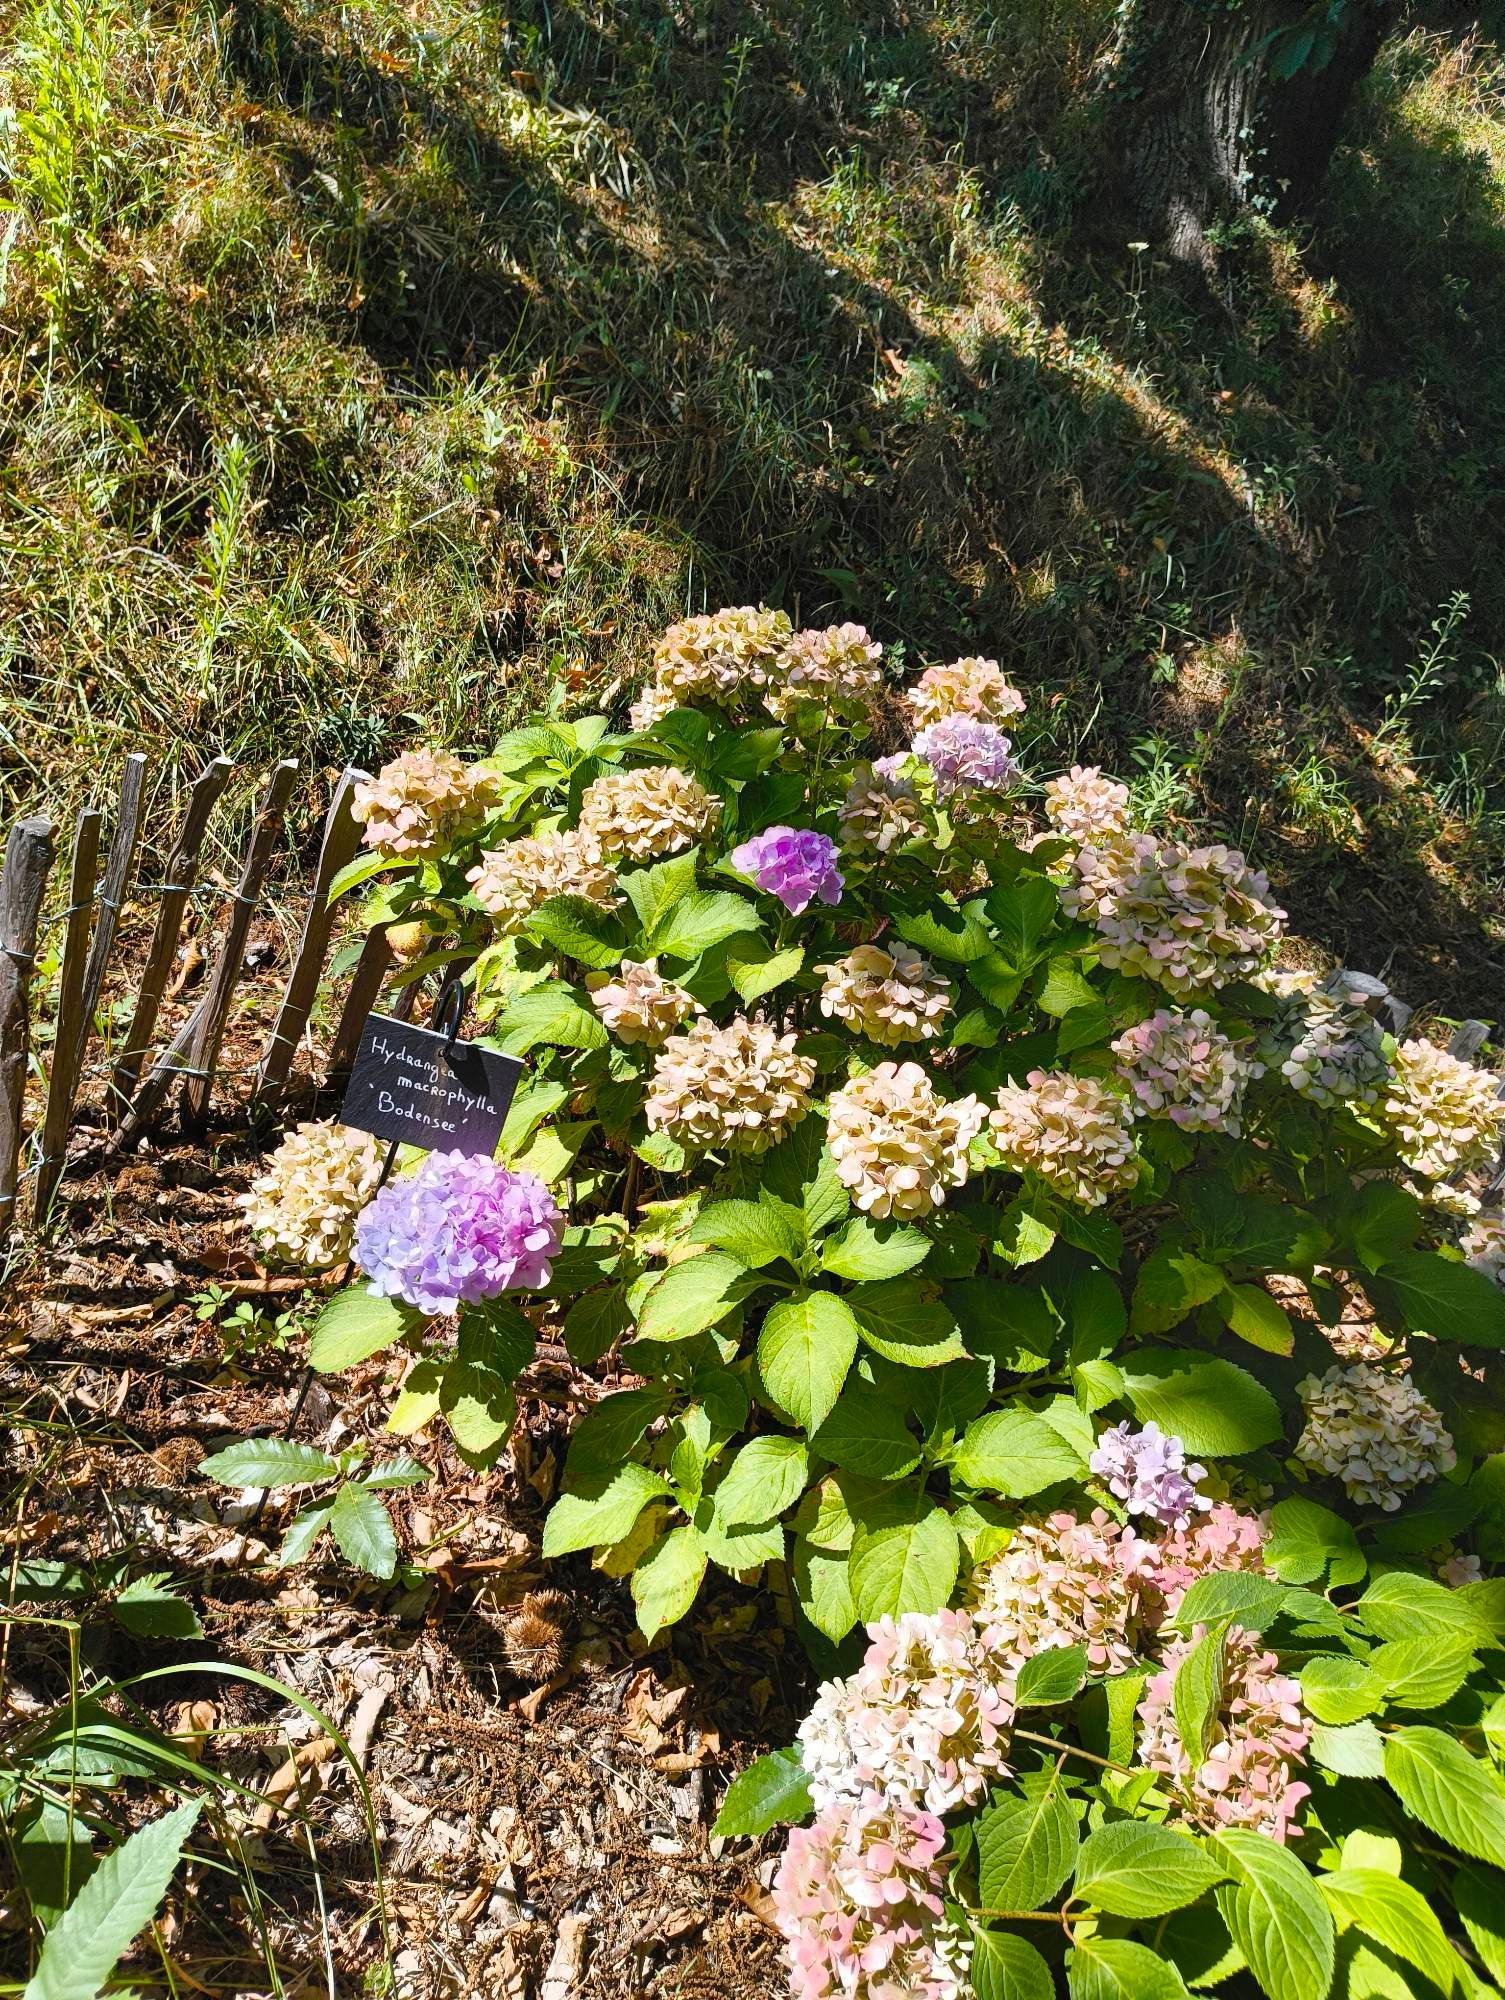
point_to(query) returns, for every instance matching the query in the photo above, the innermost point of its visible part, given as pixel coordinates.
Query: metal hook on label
(449, 1011)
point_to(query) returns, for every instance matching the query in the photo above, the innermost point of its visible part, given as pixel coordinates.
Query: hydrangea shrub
(1007, 1253)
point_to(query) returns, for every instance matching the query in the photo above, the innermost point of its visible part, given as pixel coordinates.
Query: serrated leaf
(667, 1580)
(1171, 1284)
(1340, 1690)
(599, 1507)
(753, 1232)
(556, 1014)
(899, 1319)
(905, 1556)
(1051, 1677)
(1394, 1915)
(1004, 1967)
(1254, 1316)
(1425, 1672)
(1136, 1869)
(1432, 1294)
(774, 1791)
(609, 1429)
(653, 892)
(303, 1533)
(1108, 1968)
(1459, 1798)
(1306, 1537)
(765, 1478)
(362, 1530)
(695, 923)
(805, 1349)
(865, 1433)
(823, 1587)
(1357, 1750)
(118, 1900)
(356, 1324)
(1023, 915)
(271, 1462)
(480, 1409)
(1197, 1693)
(1240, 1596)
(149, 1610)
(1210, 1404)
(1401, 1606)
(1480, 1897)
(865, 1250)
(754, 975)
(594, 1323)
(1026, 1847)
(1014, 1452)
(1276, 1917)
(579, 929)
(692, 1296)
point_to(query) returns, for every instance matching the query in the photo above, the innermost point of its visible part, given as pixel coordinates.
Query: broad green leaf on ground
(599, 1507)
(116, 1903)
(1005, 1967)
(1015, 1452)
(692, 1296)
(771, 1792)
(354, 1325)
(900, 1319)
(362, 1528)
(864, 1250)
(756, 1233)
(665, 1582)
(866, 1433)
(1458, 1797)
(805, 1348)
(147, 1608)
(1105, 1968)
(1210, 1404)
(269, 1462)
(302, 1534)
(905, 1555)
(1394, 1915)
(767, 1476)
(1026, 1846)
(1276, 1916)
(1134, 1868)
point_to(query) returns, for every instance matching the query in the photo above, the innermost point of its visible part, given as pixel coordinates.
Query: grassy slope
(369, 371)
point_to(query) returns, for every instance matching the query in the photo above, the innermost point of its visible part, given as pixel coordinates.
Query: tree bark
(1201, 121)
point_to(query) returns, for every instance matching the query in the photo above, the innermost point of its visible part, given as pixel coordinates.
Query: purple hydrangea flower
(1148, 1471)
(794, 864)
(966, 755)
(459, 1230)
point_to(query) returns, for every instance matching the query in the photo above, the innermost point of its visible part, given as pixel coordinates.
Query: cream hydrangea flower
(1258, 1736)
(1070, 1130)
(721, 656)
(881, 809)
(1182, 1067)
(1083, 805)
(832, 672)
(511, 881)
(652, 704)
(1484, 1244)
(1184, 917)
(638, 1004)
(1330, 1047)
(742, 1086)
(1375, 1432)
(1444, 1114)
(1064, 1582)
(419, 802)
(302, 1208)
(924, 1720)
(973, 686)
(898, 1145)
(646, 814)
(890, 995)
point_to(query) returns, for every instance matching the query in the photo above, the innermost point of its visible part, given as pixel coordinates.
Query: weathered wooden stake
(182, 870)
(119, 862)
(173, 1060)
(365, 987)
(62, 1083)
(342, 834)
(204, 1053)
(23, 880)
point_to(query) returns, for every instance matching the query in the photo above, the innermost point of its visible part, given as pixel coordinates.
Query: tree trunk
(1202, 120)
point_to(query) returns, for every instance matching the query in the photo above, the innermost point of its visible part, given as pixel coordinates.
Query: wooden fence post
(181, 871)
(28, 856)
(62, 1082)
(365, 987)
(342, 832)
(118, 865)
(215, 1011)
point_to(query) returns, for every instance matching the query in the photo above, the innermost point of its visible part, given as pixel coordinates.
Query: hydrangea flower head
(859, 1897)
(1330, 1048)
(419, 801)
(1186, 917)
(302, 1207)
(722, 657)
(647, 813)
(1484, 1244)
(1444, 1113)
(897, 1143)
(972, 687)
(1083, 805)
(509, 882)
(1148, 1471)
(796, 864)
(828, 674)
(966, 755)
(457, 1231)
(1374, 1431)
(891, 994)
(1070, 1130)
(1064, 1582)
(638, 1004)
(924, 1721)
(1225, 1538)
(1182, 1067)
(742, 1086)
(1260, 1732)
(881, 808)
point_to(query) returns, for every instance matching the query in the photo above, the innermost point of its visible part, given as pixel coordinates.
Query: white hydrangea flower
(1083, 805)
(881, 809)
(419, 801)
(1184, 917)
(1444, 1113)
(743, 1086)
(723, 657)
(832, 672)
(898, 1145)
(1376, 1432)
(301, 1209)
(646, 814)
(1484, 1244)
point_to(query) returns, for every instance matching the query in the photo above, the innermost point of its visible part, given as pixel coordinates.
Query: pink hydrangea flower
(1148, 1471)
(1227, 1539)
(794, 864)
(859, 1899)
(459, 1230)
(966, 755)
(1259, 1734)
(924, 1720)
(1063, 1582)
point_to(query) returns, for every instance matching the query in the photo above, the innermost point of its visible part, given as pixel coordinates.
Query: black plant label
(424, 1089)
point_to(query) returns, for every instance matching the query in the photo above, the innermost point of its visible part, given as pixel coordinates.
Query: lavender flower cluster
(457, 1231)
